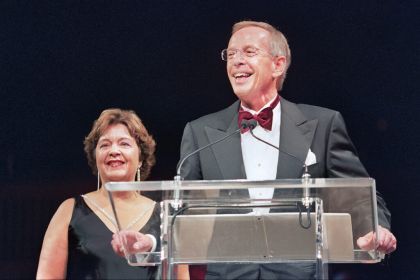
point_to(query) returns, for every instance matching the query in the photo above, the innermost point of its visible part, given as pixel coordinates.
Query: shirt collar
(265, 106)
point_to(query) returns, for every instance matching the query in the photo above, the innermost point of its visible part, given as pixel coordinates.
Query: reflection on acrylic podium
(206, 222)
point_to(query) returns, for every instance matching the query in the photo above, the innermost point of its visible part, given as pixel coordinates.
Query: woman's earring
(99, 182)
(138, 173)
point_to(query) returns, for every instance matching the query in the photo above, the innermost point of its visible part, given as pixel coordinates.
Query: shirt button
(259, 164)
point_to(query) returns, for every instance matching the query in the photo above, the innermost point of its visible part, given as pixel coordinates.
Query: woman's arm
(182, 272)
(53, 259)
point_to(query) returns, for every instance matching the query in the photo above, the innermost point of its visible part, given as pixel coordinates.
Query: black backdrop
(62, 63)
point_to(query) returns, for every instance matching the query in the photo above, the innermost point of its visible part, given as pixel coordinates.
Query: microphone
(244, 125)
(306, 200)
(176, 204)
(252, 123)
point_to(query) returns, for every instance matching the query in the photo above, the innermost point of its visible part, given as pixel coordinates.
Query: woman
(77, 242)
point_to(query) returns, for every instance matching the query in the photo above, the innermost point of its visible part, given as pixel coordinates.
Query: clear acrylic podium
(206, 222)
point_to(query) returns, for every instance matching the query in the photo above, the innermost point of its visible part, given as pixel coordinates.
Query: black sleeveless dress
(90, 251)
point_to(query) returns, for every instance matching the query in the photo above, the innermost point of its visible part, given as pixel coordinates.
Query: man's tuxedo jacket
(302, 127)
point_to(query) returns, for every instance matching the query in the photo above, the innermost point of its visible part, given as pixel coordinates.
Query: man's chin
(241, 91)
(242, 94)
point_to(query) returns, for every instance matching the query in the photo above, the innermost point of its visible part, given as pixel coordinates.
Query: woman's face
(117, 155)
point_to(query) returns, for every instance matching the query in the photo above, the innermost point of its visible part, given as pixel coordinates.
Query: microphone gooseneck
(252, 124)
(178, 169)
(246, 124)
(306, 199)
(177, 202)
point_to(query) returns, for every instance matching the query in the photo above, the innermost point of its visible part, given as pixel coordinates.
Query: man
(258, 57)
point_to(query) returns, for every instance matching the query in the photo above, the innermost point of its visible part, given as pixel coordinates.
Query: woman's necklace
(111, 218)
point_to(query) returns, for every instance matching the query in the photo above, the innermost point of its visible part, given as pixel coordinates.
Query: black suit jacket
(302, 127)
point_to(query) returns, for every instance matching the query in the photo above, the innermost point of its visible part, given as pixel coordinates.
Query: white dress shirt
(260, 160)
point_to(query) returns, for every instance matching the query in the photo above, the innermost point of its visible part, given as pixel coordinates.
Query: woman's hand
(135, 242)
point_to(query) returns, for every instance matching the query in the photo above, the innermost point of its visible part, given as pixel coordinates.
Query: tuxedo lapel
(296, 135)
(228, 153)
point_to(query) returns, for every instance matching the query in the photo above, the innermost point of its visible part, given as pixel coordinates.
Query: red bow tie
(264, 118)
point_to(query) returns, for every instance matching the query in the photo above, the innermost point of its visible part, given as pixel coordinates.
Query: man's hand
(136, 242)
(387, 242)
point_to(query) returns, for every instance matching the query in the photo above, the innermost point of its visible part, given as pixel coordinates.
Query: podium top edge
(171, 185)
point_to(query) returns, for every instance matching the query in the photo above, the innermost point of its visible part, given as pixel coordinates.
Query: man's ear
(279, 64)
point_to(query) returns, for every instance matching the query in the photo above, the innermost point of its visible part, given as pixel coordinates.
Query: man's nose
(238, 58)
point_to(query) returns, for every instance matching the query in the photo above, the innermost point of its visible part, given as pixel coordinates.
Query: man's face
(253, 76)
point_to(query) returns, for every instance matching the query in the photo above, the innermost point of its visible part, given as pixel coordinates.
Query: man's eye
(231, 54)
(250, 52)
(103, 145)
(125, 144)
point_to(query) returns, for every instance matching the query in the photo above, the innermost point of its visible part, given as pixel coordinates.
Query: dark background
(62, 63)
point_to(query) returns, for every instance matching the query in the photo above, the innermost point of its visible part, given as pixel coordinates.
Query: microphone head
(252, 123)
(244, 124)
